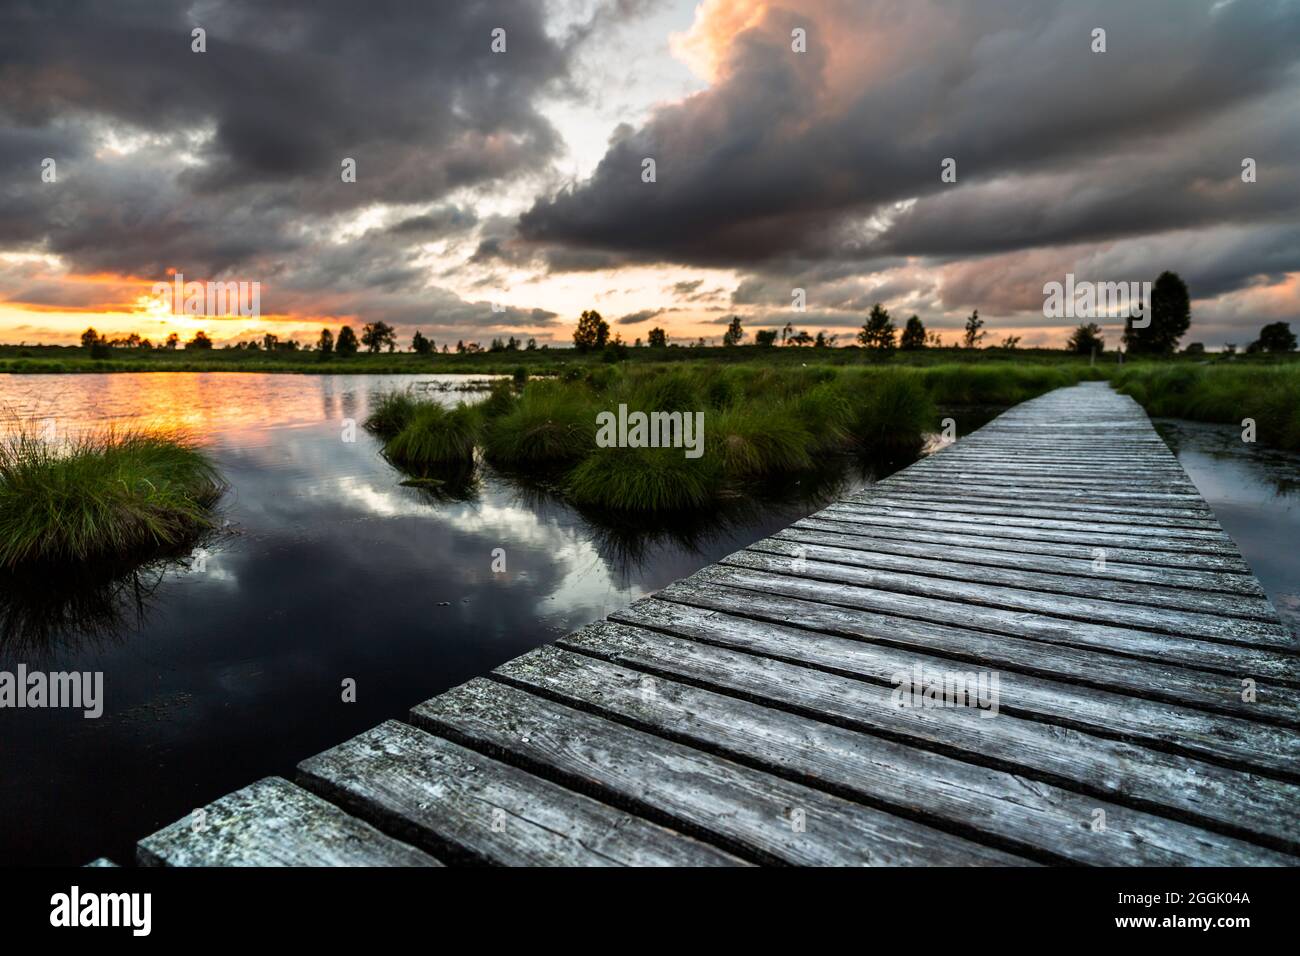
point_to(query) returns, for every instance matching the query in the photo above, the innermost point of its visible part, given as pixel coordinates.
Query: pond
(230, 667)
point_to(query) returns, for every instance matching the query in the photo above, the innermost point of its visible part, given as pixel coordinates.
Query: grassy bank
(108, 496)
(36, 359)
(760, 424)
(1228, 394)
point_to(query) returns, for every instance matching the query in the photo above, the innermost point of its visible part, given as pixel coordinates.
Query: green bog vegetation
(759, 422)
(112, 495)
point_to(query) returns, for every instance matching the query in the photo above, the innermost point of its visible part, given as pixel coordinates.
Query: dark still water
(230, 669)
(1255, 494)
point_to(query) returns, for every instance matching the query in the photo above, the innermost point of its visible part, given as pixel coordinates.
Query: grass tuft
(435, 436)
(392, 412)
(552, 423)
(644, 479)
(108, 495)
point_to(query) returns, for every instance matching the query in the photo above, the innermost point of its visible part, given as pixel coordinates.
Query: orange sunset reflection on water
(199, 403)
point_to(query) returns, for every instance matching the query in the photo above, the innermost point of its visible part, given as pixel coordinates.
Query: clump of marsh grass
(551, 423)
(644, 479)
(890, 410)
(501, 400)
(759, 441)
(435, 436)
(392, 412)
(113, 494)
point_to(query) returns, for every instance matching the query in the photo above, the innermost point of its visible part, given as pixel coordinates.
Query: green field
(55, 358)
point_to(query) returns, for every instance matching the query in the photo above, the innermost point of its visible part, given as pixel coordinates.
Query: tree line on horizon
(1170, 318)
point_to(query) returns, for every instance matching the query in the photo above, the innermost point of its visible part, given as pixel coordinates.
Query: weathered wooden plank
(1081, 564)
(1032, 818)
(1231, 741)
(1157, 560)
(1162, 620)
(274, 823)
(1241, 661)
(757, 814)
(1159, 679)
(1228, 801)
(987, 510)
(1179, 537)
(1150, 595)
(1098, 539)
(918, 493)
(470, 808)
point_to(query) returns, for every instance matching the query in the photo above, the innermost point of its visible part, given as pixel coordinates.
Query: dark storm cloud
(636, 318)
(263, 119)
(789, 160)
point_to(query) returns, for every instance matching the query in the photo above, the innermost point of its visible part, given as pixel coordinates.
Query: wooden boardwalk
(1147, 694)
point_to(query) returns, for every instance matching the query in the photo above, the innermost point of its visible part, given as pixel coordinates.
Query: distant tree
(820, 341)
(933, 340)
(325, 343)
(765, 337)
(974, 333)
(378, 335)
(657, 338)
(497, 346)
(269, 342)
(173, 341)
(1010, 342)
(531, 346)
(1170, 314)
(877, 333)
(460, 345)
(346, 344)
(419, 344)
(913, 336)
(1086, 338)
(89, 338)
(734, 332)
(786, 332)
(592, 331)
(800, 338)
(1194, 348)
(200, 341)
(1274, 337)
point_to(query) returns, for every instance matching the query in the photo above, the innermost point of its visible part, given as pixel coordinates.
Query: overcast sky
(515, 179)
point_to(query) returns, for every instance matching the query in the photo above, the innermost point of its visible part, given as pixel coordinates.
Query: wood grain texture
(470, 808)
(275, 823)
(762, 816)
